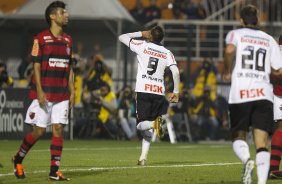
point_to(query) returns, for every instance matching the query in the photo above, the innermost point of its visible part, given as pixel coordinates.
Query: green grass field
(108, 162)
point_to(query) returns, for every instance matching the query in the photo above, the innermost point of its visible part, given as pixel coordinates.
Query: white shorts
(277, 108)
(53, 113)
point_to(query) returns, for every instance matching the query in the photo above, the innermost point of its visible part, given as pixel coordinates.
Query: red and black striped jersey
(54, 55)
(277, 84)
(277, 80)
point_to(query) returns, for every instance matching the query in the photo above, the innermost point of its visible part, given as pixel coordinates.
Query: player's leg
(240, 146)
(146, 141)
(262, 118)
(240, 117)
(276, 152)
(262, 155)
(144, 111)
(145, 124)
(276, 141)
(39, 117)
(59, 119)
(239, 120)
(160, 107)
(29, 140)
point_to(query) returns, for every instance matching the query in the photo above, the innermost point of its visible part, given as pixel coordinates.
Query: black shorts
(256, 114)
(150, 106)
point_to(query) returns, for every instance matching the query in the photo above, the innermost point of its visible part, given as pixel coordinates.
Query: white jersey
(152, 61)
(256, 53)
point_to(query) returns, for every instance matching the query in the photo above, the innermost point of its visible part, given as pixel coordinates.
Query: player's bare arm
(228, 59)
(71, 88)
(40, 93)
(276, 72)
(174, 97)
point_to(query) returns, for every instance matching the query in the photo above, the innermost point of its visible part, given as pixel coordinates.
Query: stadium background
(195, 32)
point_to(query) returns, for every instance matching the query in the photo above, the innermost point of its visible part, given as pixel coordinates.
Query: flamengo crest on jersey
(152, 61)
(256, 53)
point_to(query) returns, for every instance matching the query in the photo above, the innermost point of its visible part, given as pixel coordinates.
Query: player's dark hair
(157, 34)
(249, 15)
(52, 8)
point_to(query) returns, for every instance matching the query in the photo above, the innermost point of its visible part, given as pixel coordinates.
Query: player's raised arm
(126, 38)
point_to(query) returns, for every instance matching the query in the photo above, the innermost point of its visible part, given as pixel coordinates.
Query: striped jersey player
(52, 89)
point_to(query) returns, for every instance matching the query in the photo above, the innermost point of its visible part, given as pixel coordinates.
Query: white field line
(132, 167)
(131, 148)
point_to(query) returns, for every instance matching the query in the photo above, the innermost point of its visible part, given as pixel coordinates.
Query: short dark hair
(157, 34)
(249, 15)
(52, 8)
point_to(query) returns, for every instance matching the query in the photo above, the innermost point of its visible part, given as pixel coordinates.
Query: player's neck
(57, 31)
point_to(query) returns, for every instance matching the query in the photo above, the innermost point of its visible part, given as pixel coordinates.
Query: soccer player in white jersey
(251, 96)
(151, 103)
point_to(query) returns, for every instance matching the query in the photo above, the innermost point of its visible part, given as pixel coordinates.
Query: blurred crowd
(200, 9)
(104, 112)
(177, 9)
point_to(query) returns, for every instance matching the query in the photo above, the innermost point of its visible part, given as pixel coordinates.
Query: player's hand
(72, 100)
(174, 98)
(227, 77)
(41, 98)
(146, 34)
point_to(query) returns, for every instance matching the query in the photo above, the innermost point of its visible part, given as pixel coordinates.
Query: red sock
(276, 151)
(26, 145)
(56, 152)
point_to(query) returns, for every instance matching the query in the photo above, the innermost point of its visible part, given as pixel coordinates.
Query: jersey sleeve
(231, 38)
(276, 58)
(136, 45)
(170, 60)
(36, 52)
(133, 44)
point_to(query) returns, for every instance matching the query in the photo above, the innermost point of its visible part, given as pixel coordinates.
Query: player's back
(152, 61)
(255, 52)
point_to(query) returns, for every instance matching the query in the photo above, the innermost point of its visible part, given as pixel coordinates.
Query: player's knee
(38, 132)
(57, 129)
(147, 135)
(279, 126)
(138, 126)
(239, 135)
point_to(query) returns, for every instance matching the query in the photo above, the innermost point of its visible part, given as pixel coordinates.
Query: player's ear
(52, 16)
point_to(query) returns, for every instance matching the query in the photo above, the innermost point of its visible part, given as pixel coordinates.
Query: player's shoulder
(67, 38)
(166, 50)
(65, 35)
(43, 34)
(137, 42)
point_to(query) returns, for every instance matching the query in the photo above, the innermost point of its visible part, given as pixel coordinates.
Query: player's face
(61, 17)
